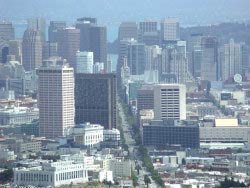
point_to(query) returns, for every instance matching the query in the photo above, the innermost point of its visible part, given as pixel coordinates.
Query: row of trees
(143, 151)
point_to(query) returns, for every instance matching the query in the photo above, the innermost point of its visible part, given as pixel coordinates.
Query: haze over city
(124, 93)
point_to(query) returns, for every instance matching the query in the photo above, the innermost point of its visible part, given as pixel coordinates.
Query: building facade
(96, 99)
(84, 62)
(170, 101)
(56, 98)
(32, 49)
(55, 174)
(163, 133)
(87, 134)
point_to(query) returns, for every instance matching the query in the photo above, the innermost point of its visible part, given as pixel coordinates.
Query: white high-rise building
(170, 29)
(56, 98)
(84, 62)
(232, 60)
(170, 101)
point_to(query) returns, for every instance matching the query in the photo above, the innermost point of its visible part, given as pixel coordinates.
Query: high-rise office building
(69, 44)
(152, 57)
(245, 58)
(50, 49)
(54, 27)
(134, 52)
(148, 26)
(31, 50)
(7, 33)
(170, 30)
(98, 44)
(145, 98)
(84, 62)
(174, 63)
(55, 98)
(15, 48)
(196, 61)
(38, 24)
(209, 59)
(93, 38)
(128, 30)
(96, 99)
(170, 101)
(232, 60)
(87, 19)
(136, 57)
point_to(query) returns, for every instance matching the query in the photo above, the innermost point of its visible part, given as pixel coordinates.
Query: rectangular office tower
(170, 102)
(56, 98)
(96, 99)
(159, 134)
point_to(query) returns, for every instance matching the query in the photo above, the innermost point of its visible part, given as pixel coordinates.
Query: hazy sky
(111, 12)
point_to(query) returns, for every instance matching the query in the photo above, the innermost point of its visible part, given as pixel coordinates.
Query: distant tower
(170, 30)
(148, 26)
(54, 27)
(7, 33)
(128, 30)
(232, 60)
(209, 59)
(170, 102)
(69, 44)
(136, 57)
(84, 62)
(15, 48)
(32, 50)
(38, 24)
(93, 38)
(56, 98)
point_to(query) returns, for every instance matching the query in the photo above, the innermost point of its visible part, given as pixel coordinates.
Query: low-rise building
(111, 138)
(53, 174)
(17, 116)
(120, 167)
(7, 155)
(160, 134)
(87, 134)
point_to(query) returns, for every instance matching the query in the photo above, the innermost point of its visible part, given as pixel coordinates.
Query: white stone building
(87, 134)
(53, 174)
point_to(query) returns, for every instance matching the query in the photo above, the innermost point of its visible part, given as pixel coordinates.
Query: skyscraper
(98, 44)
(148, 26)
(209, 59)
(54, 27)
(170, 102)
(128, 30)
(32, 49)
(15, 48)
(50, 49)
(232, 60)
(38, 24)
(56, 98)
(136, 57)
(84, 62)
(93, 38)
(170, 30)
(87, 19)
(174, 63)
(69, 44)
(96, 99)
(7, 33)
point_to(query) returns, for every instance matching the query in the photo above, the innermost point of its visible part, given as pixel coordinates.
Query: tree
(147, 180)
(6, 176)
